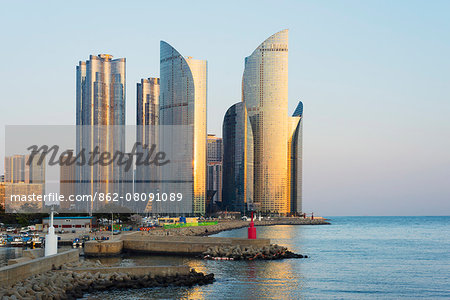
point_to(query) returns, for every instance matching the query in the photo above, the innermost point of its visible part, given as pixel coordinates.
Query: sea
(353, 258)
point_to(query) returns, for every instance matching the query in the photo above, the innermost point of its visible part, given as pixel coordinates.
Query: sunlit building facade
(100, 108)
(2, 195)
(14, 168)
(265, 94)
(183, 87)
(237, 186)
(22, 169)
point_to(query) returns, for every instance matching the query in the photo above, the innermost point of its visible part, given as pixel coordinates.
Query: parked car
(10, 229)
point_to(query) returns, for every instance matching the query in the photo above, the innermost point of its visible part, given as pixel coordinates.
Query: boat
(17, 241)
(36, 241)
(3, 241)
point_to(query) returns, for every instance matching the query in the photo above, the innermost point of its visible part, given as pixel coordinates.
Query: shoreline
(230, 225)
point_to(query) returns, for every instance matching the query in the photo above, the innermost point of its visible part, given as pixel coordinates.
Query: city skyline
(365, 78)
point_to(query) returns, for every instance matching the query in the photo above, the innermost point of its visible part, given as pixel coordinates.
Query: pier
(174, 245)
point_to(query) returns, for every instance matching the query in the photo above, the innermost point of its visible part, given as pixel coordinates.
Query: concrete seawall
(103, 248)
(19, 271)
(176, 245)
(152, 271)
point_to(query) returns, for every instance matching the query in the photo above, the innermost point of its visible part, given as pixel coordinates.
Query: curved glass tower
(237, 187)
(183, 102)
(265, 94)
(295, 147)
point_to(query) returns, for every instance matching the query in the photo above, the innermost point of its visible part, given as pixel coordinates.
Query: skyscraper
(19, 168)
(100, 116)
(183, 103)
(214, 172)
(295, 147)
(67, 182)
(147, 121)
(265, 94)
(14, 168)
(2, 195)
(237, 187)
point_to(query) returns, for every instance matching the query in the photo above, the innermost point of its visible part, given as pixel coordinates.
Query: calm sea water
(354, 258)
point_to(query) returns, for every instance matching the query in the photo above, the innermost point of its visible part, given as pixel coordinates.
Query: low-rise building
(69, 224)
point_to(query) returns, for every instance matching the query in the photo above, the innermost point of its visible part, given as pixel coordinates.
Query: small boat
(77, 243)
(17, 241)
(36, 241)
(3, 241)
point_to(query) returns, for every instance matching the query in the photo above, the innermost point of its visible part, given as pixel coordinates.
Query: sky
(374, 77)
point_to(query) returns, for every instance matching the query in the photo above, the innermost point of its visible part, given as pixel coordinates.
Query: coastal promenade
(186, 240)
(234, 224)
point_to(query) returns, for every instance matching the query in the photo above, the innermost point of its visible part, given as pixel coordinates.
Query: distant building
(214, 165)
(2, 195)
(237, 188)
(19, 197)
(22, 169)
(67, 183)
(69, 224)
(14, 168)
(215, 148)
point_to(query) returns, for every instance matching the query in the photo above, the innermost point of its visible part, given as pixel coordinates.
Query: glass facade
(100, 105)
(265, 94)
(296, 160)
(237, 187)
(214, 163)
(147, 120)
(183, 102)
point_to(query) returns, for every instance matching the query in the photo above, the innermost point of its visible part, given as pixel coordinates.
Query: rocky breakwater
(250, 253)
(68, 284)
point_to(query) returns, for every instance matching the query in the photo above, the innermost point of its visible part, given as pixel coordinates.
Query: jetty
(142, 242)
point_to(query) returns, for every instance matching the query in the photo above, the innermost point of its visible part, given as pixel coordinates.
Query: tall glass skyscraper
(100, 120)
(147, 121)
(183, 102)
(265, 94)
(237, 187)
(214, 170)
(295, 147)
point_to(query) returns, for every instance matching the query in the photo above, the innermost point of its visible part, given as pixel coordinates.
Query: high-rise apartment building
(265, 94)
(2, 195)
(214, 172)
(147, 132)
(100, 120)
(67, 183)
(14, 168)
(295, 146)
(183, 85)
(238, 183)
(21, 168)
(262, 163)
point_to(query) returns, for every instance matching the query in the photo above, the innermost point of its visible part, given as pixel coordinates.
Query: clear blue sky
(373, 76)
